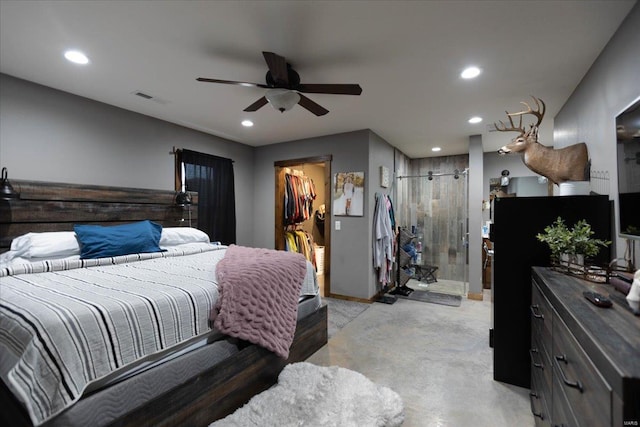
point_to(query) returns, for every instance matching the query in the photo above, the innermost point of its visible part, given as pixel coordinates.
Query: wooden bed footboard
(212, 394)
(231, 383)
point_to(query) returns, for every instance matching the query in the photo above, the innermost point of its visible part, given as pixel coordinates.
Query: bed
(191, 373)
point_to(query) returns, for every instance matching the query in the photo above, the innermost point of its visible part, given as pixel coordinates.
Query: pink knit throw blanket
(259, 291)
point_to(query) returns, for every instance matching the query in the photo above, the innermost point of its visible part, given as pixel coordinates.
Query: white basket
(319, 250)
(575, 188)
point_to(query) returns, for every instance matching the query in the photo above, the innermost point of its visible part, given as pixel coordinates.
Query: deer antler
(539, 113)
(513, 127)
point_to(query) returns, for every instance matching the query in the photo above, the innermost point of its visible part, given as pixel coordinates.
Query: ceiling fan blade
(278, 67)
(257, 105)
(337, 89)
(310, 105)
(231, 82)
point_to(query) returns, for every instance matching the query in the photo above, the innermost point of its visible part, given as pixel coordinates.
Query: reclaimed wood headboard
(45, 206)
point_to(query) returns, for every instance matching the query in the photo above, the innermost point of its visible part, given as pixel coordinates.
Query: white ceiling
(406, 56)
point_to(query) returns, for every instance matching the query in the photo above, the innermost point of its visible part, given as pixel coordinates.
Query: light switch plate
(338, 224)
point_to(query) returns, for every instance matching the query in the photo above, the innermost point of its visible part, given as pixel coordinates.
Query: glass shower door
(438, 208)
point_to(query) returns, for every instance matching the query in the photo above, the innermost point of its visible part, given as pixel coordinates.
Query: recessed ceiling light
(470, 73)
(475, 119)
(76, 57)
(436, 149)
(247, 123)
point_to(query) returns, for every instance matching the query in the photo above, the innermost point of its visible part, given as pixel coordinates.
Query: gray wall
(494, 164)
(49, 135)
(380, 154)
(610, 85)
(351, 253)
(476, 173)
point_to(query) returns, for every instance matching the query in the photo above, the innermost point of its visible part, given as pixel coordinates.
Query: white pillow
(172, 236)
(46, 245)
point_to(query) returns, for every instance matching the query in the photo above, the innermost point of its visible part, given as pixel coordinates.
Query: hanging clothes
(383, 238)
(301, 242)
(299, 194)
(319, 219)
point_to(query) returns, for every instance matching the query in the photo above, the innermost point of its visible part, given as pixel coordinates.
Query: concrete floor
(436, 357)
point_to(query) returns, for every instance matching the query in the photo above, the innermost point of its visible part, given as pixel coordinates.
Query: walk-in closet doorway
(316, 227)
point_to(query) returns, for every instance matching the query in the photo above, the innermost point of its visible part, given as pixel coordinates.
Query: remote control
(597, 299)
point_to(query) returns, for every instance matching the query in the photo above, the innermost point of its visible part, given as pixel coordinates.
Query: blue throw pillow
(97, 241)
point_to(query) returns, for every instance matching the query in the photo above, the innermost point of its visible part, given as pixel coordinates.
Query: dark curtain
(212, 178)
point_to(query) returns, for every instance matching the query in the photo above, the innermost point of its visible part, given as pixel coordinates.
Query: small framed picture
(348, 194)
(384, 177)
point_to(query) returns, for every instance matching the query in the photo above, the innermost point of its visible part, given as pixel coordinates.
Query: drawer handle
(573, 384)
(534, 309)
(537, 365)
(533, 411)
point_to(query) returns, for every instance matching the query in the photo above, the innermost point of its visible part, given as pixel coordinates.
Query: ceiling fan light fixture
(282, 99)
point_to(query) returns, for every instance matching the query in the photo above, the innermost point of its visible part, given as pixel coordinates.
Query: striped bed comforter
(64, 328)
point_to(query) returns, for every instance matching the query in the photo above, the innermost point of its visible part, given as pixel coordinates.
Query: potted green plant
(571, 245)
(558, 237)
(584, 243)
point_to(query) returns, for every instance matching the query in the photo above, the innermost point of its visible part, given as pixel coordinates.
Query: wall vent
(142, 95)
(146, 96)
(491, 128)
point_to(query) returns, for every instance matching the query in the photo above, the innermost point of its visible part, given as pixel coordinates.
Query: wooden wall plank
(36, 190)
(440, 212)
(45, 206)
(64, 211)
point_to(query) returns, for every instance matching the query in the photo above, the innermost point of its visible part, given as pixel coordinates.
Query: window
(212, 178)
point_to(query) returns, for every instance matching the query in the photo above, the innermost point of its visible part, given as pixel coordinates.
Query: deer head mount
(566, 164)
(531, 136)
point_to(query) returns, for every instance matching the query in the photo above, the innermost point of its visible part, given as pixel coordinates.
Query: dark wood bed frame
(200, 400)
(45, 206)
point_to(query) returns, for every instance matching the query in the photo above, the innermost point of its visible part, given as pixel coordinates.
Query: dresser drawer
(541, 366)
(539, 403)
(541, 316)
(586, 391)
(562, 414)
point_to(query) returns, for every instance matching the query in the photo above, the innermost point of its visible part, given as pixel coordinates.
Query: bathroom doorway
(435, 208)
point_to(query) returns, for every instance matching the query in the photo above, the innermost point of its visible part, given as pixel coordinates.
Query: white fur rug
(314, 396)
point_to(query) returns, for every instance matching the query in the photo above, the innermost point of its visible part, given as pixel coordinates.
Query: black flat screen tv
(628, 159)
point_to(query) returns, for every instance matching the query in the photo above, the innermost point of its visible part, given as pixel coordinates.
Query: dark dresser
(585, 360)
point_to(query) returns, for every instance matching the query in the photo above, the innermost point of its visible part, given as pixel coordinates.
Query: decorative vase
(569, 259)
(574, 263)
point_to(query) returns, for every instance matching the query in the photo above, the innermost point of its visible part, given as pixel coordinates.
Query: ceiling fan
(284, 89)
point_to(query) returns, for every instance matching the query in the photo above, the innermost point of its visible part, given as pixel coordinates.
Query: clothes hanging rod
(431, 175)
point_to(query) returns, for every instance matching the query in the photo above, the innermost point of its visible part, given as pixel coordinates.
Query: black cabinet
(517, 220)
